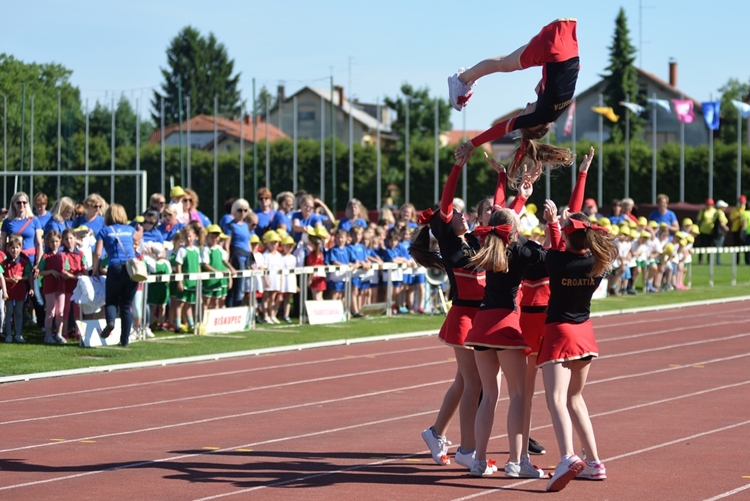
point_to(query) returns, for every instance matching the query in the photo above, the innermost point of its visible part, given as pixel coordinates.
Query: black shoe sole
(107, 331)
(535, 449)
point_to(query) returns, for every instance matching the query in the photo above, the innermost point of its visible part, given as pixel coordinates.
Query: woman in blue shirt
(240, 256)
(305, 218)
(353, 217)
(169, 225)
(92, 219)
(21, 221)
(60, 215)
(117, 238)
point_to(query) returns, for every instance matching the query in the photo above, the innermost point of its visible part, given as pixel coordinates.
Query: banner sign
(234, 319)
(325, 312)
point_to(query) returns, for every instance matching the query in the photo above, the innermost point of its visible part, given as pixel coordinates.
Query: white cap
(721, 204)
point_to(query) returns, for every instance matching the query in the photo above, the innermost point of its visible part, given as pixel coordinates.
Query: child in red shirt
(17, 272)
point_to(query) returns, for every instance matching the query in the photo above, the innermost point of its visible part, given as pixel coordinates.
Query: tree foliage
(736, 90)
(421, 112)
(622, 79)
(198, 67)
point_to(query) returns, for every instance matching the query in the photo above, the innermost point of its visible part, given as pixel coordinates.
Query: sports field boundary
(322, 344)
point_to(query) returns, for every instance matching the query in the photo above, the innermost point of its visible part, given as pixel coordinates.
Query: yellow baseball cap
(669, 248)
(691, 239)
(605, 222)
(213, 228)
(288, 240)
(531, 208)
(695, 230)
(642, 221)
(632, 224)
(624, 230)
(271, 236)
(653, 224)
(644, 234)
(254, 239)
(613, 230)
(177, 191)
(687, 222)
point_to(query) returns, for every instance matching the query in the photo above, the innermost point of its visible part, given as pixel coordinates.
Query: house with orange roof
(667, 125)
(229, 132)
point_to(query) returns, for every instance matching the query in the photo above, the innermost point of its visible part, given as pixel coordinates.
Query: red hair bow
(577, 224)
(425, 216)
(521, 152)
(503, 231)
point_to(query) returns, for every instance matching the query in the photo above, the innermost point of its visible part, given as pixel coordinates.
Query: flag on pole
(661, 102)
(743, 108)
(569, 121)
(634, 107)
(683, 108)
(607, 112)
(711, 110)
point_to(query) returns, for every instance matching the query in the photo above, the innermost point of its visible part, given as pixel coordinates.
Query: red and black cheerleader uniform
(555, 49)
(535, 284)
(496, 325)
(568, 333)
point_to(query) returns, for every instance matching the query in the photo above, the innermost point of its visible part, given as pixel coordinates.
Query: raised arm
(524, 192)
(502, 178)
(449, 191)
(553, 224)
(576, 197)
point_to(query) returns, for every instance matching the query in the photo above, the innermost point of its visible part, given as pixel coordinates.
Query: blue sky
(120, 46)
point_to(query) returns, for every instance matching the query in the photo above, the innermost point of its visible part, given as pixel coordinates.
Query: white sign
(325, 312)
(227, 320)
(90, 330)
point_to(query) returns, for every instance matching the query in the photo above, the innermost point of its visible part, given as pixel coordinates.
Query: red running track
(669, 398)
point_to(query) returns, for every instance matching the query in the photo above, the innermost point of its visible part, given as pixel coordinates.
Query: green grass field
(34, 356)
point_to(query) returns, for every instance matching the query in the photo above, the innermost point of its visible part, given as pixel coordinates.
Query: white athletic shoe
(459, 92)
(481, 469)
(438, 446)
(524, 469)
(566, 470)
(59, 339)
(594, 470)
(464, 459)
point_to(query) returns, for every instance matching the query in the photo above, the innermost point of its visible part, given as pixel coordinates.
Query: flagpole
(601, 147)
(739, 153)
(711, 157)
(653, 148)
(406, 151)
(627, 148)
(682, 159)
(378, 195)
(437, 144)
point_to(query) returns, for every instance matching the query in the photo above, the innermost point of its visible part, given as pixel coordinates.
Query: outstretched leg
(499, 64)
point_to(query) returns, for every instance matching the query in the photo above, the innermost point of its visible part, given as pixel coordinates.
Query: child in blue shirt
(358, 259)
(338, 255)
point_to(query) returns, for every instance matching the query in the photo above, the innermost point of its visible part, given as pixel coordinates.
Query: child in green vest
(214, 258)
(188, 260)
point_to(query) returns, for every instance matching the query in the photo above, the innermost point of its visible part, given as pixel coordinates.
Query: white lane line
(225, 393)
(340, 342)
(220, 374)
(679, 345)
(729, 493)
(743, 321)
(318, 433)
(601, 325)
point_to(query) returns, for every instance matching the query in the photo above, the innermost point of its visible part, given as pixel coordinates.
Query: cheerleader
(555, 49)
(568, 345)
(456, 247)
(533, 304)
(288, 281)
(496, 336)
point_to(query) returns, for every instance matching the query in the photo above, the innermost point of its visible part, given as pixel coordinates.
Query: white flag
(661, 102)
(743, 108)
(634, 107)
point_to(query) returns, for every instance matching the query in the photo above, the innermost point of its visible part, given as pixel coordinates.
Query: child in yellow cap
(215, 259)
(288, 282)
(273, 262)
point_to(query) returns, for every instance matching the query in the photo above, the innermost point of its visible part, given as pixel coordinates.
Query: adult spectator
(169, 225)
(190, 212)
(712, 226)
(117, 238)
(736, 220)
(282, 220)
(627, 209)
(157, 202)
(40, 209)
(663, 215)
(325, 214)
(407, 214)
(616, 216)
(353, 213)
(590, 208)
(386, 219)
(240, 256)
(60, 215)
(150, 224)
(305, 218)
(227, 217)
(264, 211)
(21, 221)
(94, 207)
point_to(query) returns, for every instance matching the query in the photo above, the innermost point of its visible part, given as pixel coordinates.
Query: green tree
(421, 112)
(198, 67)
(263, 101)
(732, 90)
(622, 79)
(100, 123)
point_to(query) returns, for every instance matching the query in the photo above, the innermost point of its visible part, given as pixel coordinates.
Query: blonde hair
(494, 254)
(15, 239)
(62, 204)
(193, 197)
(115, 215)
(601, 244)
(94, 199)
(535, 153)
(14, 213)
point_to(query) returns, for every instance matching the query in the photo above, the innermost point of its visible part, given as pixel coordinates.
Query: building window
(305, 115)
